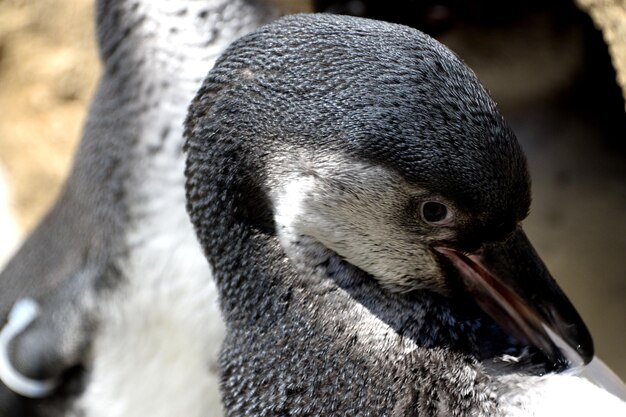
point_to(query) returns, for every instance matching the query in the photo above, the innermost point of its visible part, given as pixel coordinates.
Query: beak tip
(586, 351)
(570, 335)
(548, 320)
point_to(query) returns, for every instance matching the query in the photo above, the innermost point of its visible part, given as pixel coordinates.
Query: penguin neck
(326, 327)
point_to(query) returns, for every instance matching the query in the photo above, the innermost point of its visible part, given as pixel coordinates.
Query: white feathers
(582, 390)
(359, 211)
(595, 372)
(155, 354)
(559, 395)
(601, 375)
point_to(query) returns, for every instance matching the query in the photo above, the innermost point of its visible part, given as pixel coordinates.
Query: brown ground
(48, 69)
(610, 17)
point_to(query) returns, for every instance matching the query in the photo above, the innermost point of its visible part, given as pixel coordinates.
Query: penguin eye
(435, 213)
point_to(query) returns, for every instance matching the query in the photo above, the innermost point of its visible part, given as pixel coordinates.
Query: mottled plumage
(310, 145)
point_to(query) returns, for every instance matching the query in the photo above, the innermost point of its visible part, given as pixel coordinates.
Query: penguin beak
(511, 283)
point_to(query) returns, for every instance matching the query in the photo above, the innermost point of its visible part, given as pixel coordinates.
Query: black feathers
(381, 92)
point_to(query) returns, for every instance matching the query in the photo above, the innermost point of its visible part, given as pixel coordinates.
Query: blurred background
(553, 67)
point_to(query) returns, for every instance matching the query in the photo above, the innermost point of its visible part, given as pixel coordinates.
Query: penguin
(360, 199)
(117, 312)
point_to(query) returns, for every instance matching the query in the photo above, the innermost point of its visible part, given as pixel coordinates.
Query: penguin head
(375, 142)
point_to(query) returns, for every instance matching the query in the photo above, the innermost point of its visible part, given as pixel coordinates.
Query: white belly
(155, 354)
